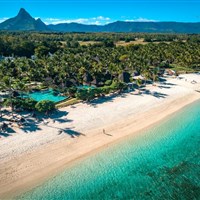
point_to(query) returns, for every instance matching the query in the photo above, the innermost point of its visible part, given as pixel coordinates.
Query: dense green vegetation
(27, 44)
(59, 61)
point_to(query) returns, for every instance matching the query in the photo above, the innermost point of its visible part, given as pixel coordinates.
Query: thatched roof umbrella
(96, 58)
(70, 83)
(108, 75)
(94, 82)
(124, 77)
(87, 78)
(135, 73)
(48, 81)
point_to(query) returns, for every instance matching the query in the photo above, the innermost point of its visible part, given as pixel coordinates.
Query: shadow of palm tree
(4, 134)
(63, 120)
(2, 119)
(155, 94)
(5, 112)
(145, 91)
(105, 99)
(159, 95)
(102, 99)
(58, 114)
(165, 87)
(30, 128)
(72, 133)
(68, 131)
(10, 130)
(171, 84)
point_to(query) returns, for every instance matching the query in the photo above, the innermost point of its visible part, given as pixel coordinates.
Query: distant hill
(120, 26)
(153, 27)
(75, 27)
(24, 21)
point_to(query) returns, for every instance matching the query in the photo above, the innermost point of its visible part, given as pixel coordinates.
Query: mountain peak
(23, 13)
(22, 10)
(23, 21)
(39, 20)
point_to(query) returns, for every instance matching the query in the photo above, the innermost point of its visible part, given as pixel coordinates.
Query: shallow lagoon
(162, 163)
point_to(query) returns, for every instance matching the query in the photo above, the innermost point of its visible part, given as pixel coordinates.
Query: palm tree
(155, 74)
(139, 83)
(146, 73)
(6, 84)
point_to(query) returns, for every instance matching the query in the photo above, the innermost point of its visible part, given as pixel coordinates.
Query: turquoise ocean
(161, 163)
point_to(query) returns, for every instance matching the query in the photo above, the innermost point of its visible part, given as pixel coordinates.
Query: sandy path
(26, 159)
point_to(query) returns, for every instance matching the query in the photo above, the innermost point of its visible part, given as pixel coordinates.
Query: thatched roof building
(87, 78)
(124, 77)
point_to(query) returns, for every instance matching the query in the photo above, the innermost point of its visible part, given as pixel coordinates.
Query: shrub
(97, 91)
(86, 94)
(106, 89)
(45, 106)
(29, 104)
(72, 91)
(82, 94)
(108, 82)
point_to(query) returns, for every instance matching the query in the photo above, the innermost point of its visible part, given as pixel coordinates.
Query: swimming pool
(45, 95)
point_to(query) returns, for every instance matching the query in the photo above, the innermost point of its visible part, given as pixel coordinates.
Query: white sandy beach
(28, 158)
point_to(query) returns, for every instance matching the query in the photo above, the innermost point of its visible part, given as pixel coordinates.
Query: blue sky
(104, 11)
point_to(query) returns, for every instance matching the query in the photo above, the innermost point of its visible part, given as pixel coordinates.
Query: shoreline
(41, 174)
(23, 168)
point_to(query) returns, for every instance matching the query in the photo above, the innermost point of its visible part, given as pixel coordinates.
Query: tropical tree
(45, 106)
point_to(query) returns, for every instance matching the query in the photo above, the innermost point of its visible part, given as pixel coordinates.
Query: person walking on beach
(104, 132)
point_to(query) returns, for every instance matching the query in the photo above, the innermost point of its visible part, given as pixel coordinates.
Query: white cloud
(140, 19)
(97, 23)
(100, 20)
(3, 19)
